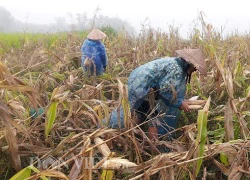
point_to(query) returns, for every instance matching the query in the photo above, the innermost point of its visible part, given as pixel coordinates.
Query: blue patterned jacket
(164, 74)
(96, 51)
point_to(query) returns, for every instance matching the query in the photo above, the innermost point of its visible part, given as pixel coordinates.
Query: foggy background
(72, 22)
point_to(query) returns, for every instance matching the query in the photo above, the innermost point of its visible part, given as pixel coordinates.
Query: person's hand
(184, 106)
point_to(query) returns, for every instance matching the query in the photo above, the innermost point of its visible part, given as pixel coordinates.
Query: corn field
(65, 139)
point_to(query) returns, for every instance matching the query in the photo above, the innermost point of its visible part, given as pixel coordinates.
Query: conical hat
(96, 34)
(194, 57)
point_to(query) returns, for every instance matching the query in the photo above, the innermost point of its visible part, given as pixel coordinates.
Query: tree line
(76, 22)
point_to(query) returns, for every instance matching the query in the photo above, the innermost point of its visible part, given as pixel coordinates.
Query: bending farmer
(167, 78)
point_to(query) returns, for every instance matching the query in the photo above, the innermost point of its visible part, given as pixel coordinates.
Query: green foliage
(201, 138)
(109, 31)
(224, 159)
(26, 173)
(107, 174)
(23, 174)
(8, 41)
(217, 134)
(51, 116)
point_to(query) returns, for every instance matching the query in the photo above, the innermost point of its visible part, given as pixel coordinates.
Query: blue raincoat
(95, 50)
(168, 75)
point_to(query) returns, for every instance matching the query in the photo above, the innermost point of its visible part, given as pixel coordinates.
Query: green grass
(10, 40)
(17, 41)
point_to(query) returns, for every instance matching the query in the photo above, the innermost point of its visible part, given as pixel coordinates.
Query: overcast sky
(161, 13)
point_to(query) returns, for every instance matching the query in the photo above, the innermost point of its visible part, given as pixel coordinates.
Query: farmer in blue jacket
(94, 56)
(167, 79)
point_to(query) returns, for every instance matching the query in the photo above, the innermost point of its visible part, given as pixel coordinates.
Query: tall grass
(35, 66)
